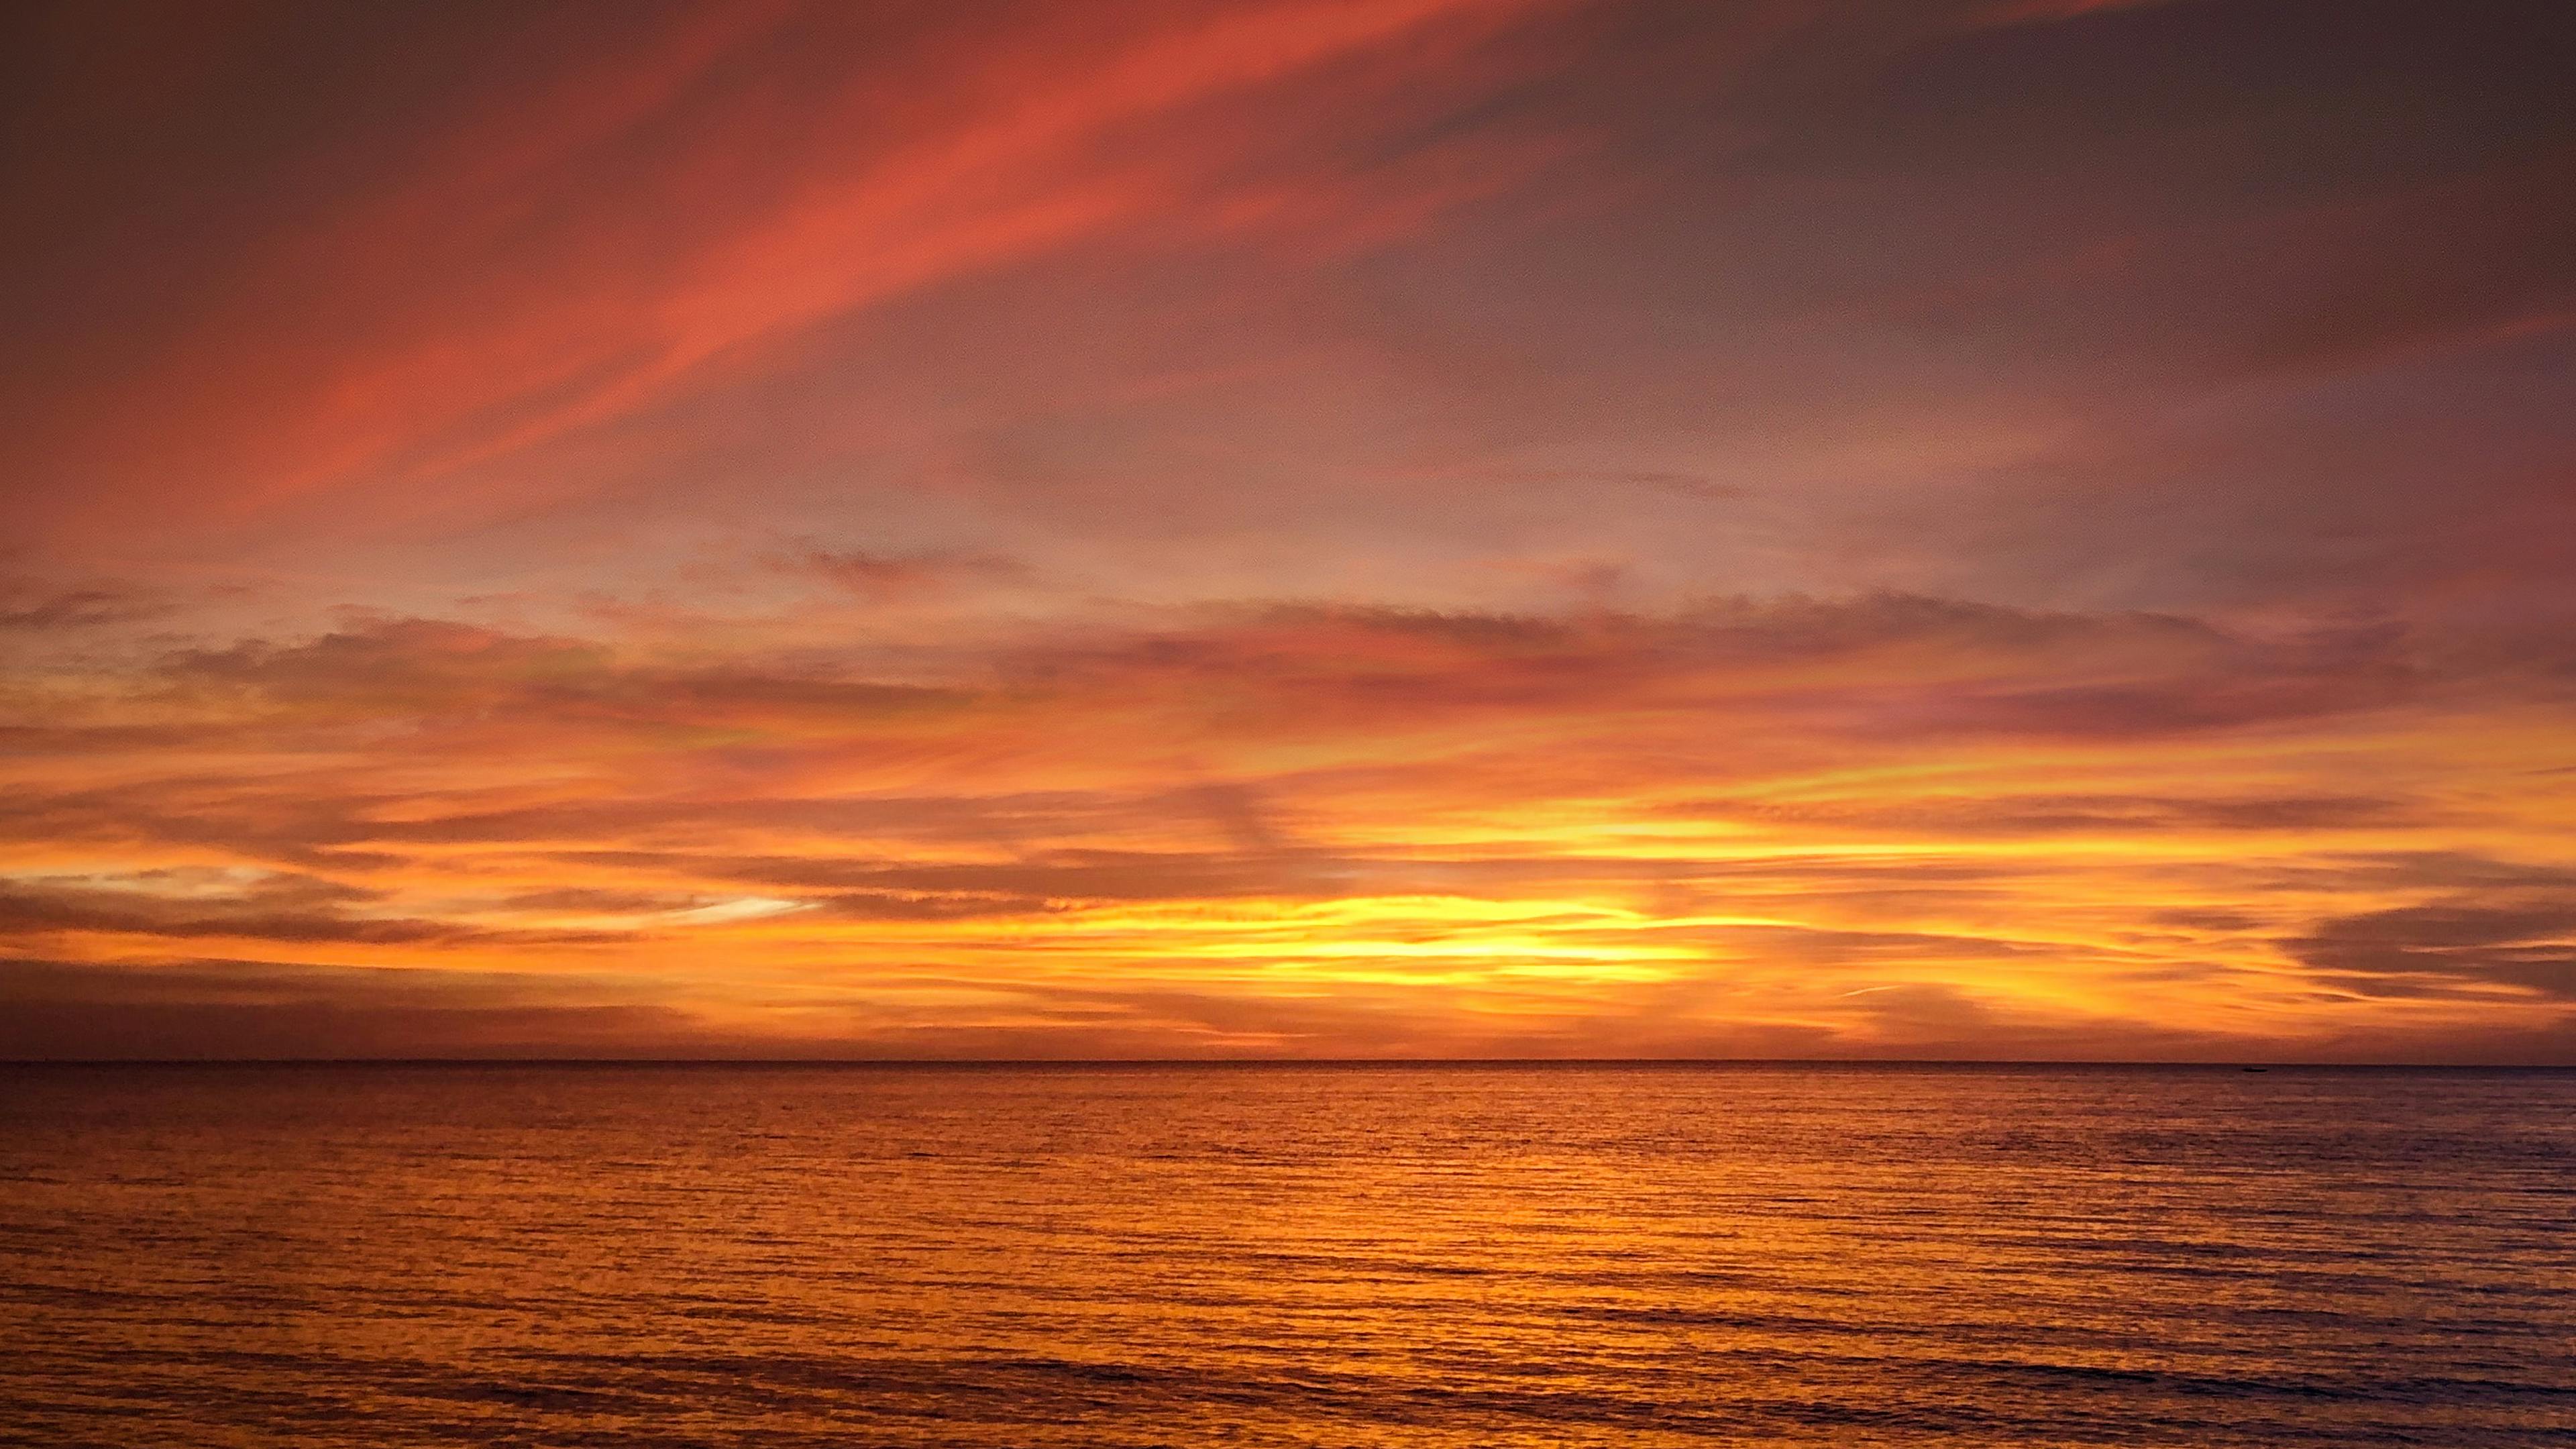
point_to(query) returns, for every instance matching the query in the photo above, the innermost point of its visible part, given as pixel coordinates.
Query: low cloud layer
(1874, 826)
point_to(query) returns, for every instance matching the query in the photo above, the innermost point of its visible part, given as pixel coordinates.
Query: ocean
(1453, 1255)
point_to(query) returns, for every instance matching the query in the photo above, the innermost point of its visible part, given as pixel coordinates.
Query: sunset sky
(2002, 529)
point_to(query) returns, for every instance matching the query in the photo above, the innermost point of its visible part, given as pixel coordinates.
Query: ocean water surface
(1332, 1255)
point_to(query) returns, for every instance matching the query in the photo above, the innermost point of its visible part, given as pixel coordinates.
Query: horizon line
(2227, 1064)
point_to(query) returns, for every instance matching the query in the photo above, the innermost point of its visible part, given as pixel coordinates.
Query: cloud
(712, 221)
(1892, 665)
(2461, 944)
(1900, 666)
(1122, 761)
(2006, 815)
(431, 672)
(33, 609)
(881, 577)
(277, 910)
(234, 1009)
(2042, 12)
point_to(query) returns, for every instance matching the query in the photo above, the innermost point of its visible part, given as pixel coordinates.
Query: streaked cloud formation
(1456, 527)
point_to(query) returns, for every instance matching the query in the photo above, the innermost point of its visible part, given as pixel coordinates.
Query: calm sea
(1457, 1255)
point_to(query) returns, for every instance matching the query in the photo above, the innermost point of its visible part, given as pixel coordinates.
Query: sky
(1986, 529)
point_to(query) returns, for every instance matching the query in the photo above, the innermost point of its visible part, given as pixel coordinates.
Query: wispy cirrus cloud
(755, 225)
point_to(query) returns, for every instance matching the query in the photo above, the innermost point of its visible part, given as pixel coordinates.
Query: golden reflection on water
(1442, 1256)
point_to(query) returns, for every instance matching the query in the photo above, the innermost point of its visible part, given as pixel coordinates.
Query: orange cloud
(1863, 824)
